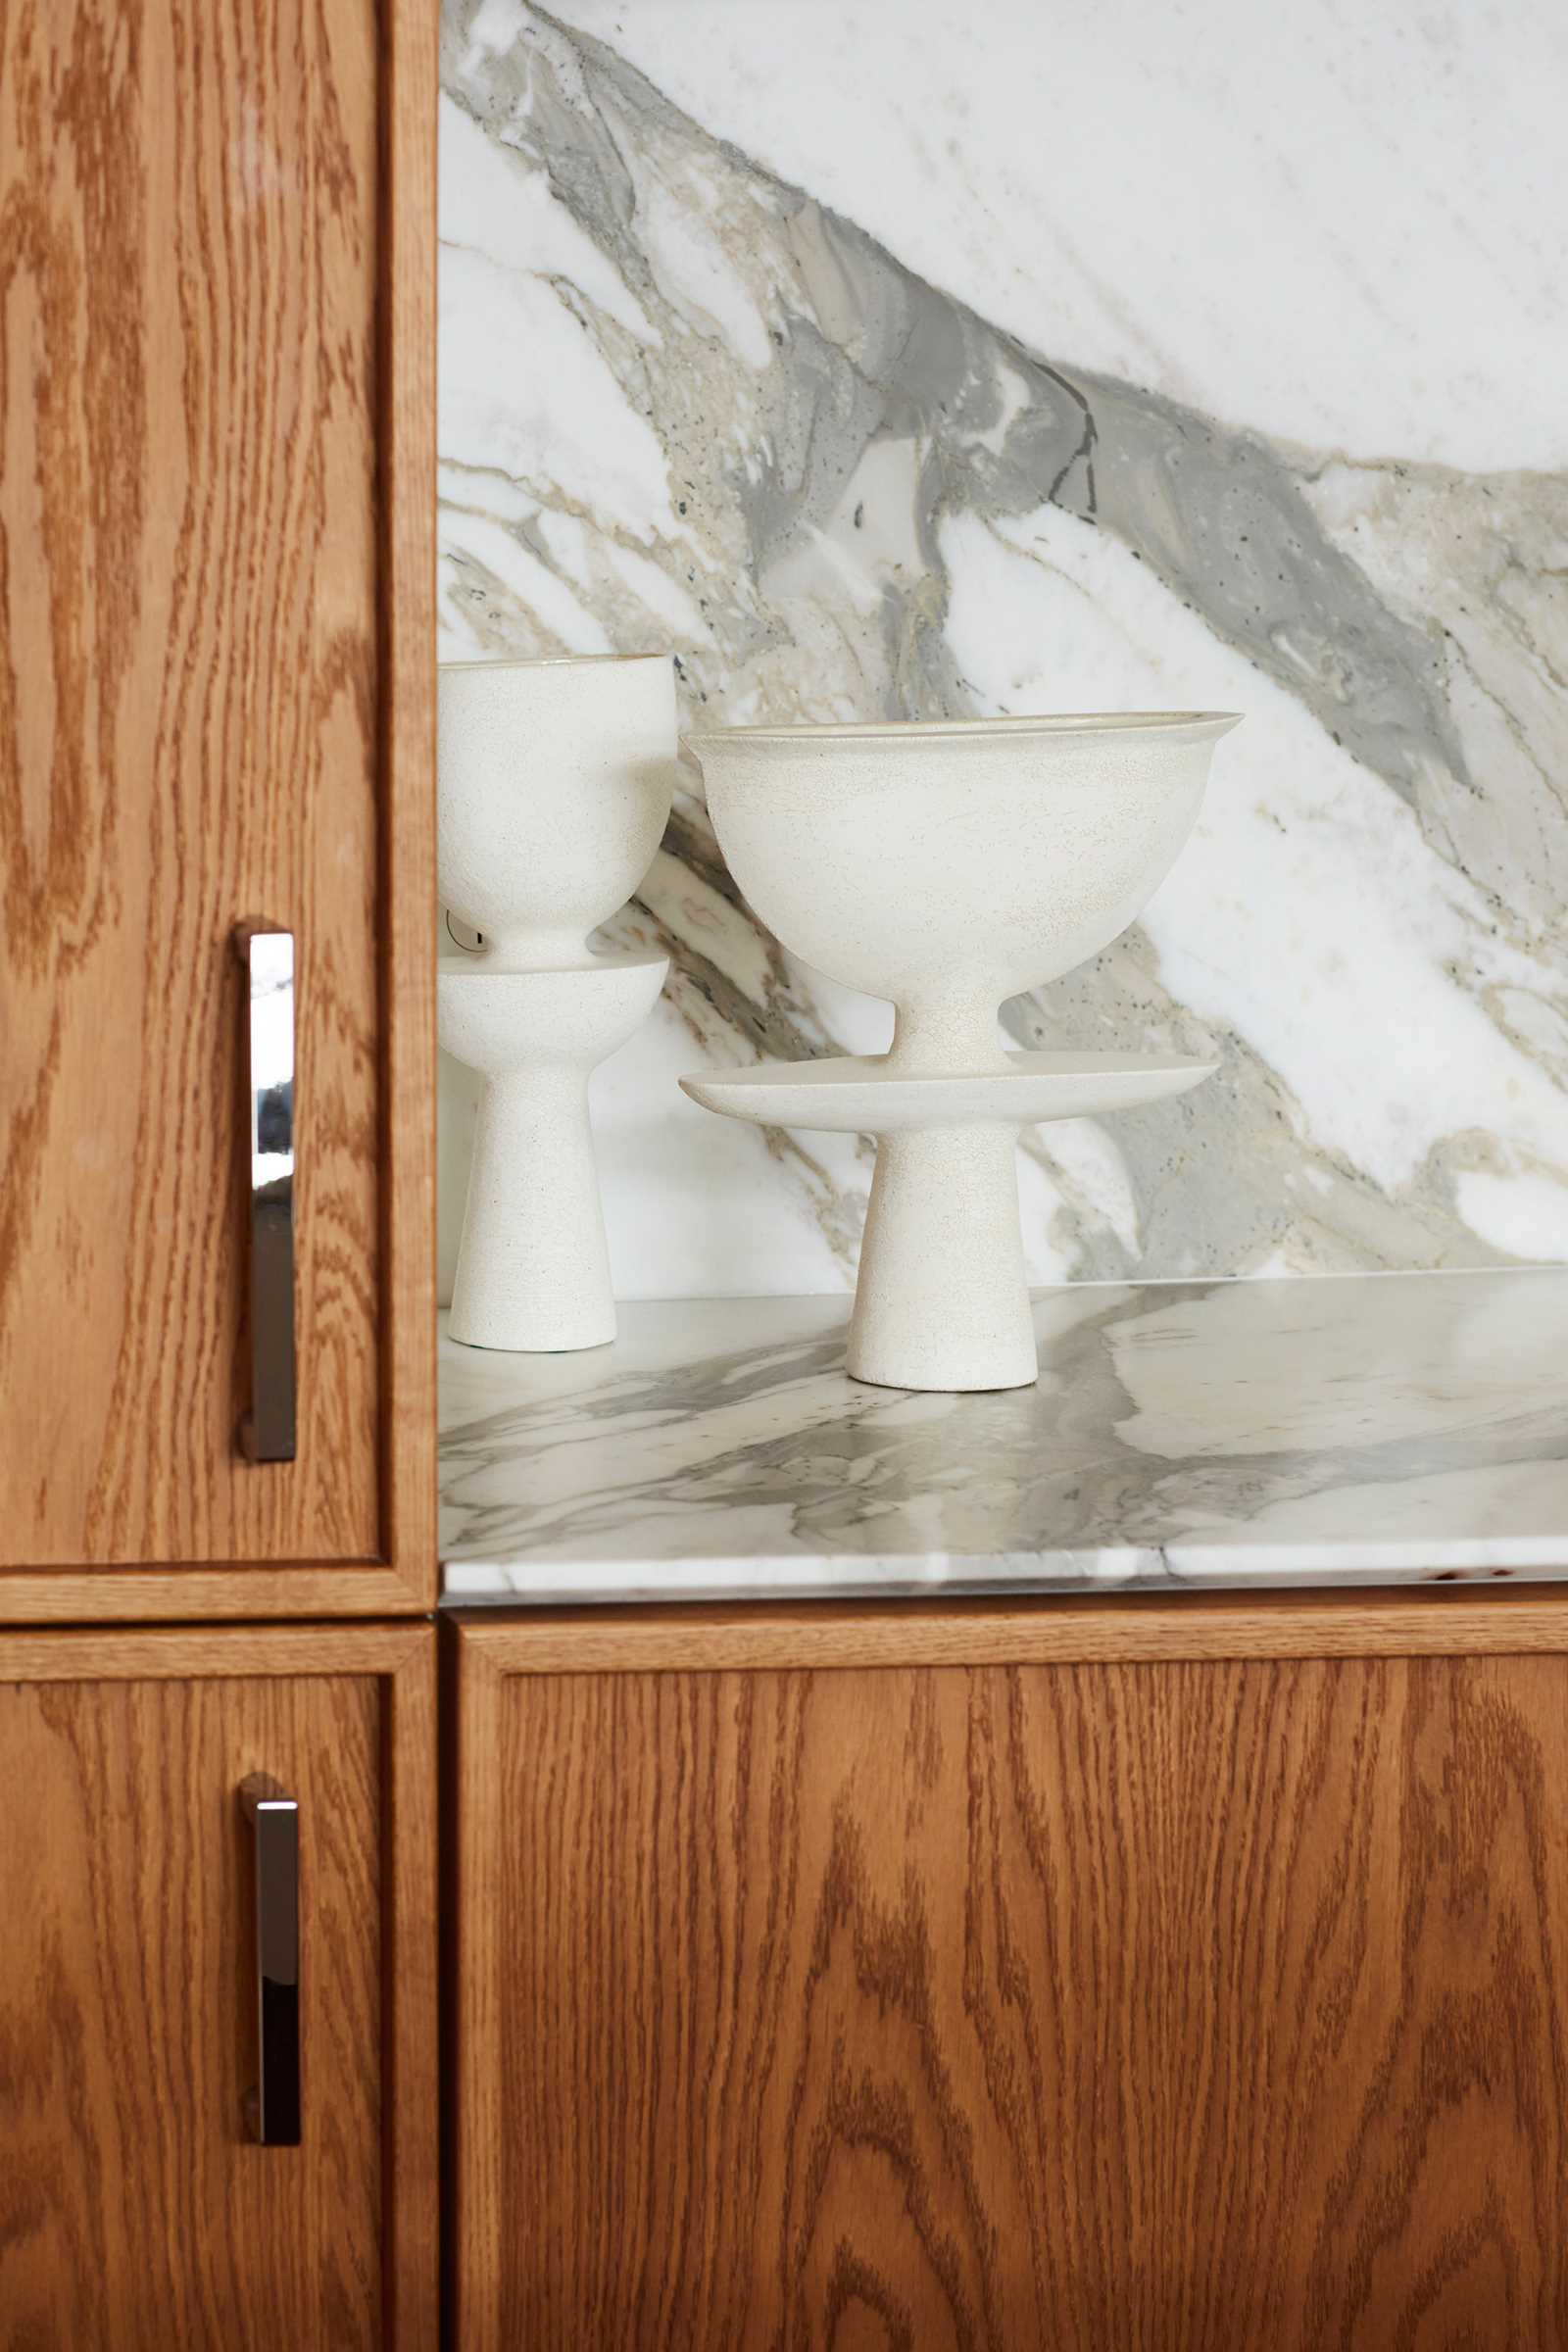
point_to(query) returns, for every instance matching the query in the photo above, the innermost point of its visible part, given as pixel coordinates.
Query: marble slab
(1358, 1429)
(883, 359)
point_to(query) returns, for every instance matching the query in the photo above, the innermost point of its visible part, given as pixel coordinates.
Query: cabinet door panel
(1182, 2004)
(135, 2208)
(214, 270)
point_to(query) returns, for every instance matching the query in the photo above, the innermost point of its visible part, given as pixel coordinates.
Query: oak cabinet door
(137, 2211)
(217, 245)
(1185, 2005)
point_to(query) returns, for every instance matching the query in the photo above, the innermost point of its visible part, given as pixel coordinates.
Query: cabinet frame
(403, 1659)
(403, 1576)
(487, 1651)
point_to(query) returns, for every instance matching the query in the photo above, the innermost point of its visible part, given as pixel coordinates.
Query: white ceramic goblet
(554, 782)
(554, 787)
(950, 865)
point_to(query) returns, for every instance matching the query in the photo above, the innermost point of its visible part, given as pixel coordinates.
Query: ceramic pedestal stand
(554, 782)
(949, 867)
(533, 1267)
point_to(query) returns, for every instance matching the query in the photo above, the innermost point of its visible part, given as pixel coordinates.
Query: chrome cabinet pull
(272, 2108)
(266, 1433)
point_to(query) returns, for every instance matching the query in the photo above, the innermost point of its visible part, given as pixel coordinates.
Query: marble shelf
(1332, 1430)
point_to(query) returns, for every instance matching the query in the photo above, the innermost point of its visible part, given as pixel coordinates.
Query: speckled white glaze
(555, 783)
(554, 786)
(950, 865)
(534, 1269)
(858, 1095)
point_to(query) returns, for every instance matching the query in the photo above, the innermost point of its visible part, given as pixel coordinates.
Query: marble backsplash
(879, 358)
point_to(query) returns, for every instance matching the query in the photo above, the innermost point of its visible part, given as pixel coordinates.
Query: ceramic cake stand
(943, 1299)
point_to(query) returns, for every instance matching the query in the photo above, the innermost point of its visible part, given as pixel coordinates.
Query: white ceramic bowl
(949, 864)
(554, 782)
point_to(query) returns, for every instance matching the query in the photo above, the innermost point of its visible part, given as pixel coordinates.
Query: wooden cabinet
(217, 515)
(217, 651)
(1187, 1977)
(137, 2210)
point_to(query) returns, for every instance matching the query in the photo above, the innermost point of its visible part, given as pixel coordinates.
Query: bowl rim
(546, 661)
(1211, 723)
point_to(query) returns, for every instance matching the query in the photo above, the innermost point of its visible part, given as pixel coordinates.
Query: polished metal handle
(272, 2108)
(266, 1433)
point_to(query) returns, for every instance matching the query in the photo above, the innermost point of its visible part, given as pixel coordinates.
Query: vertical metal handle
(266, 1433)
(273, 2106)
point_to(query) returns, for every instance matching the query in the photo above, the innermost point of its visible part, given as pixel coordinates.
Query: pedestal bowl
(948, 865)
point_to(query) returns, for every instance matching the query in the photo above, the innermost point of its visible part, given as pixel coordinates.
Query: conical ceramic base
(533, 1266)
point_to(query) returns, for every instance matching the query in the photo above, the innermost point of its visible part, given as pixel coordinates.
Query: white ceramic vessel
(554, 786)
(950, 865)
(554, 789)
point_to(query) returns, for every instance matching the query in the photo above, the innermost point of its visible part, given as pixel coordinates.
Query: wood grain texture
(1423, 1621)
(133, 2208)
(238, 1589)
(1190, 2007)
(216, 421)
(407, 503)
(411, 2052)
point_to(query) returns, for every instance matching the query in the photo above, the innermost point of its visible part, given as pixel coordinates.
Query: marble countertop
(1353, 1429)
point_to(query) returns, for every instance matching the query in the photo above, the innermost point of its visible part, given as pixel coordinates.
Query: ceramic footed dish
(950, 865)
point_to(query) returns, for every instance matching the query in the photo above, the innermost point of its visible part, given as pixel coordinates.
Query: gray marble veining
(689, 404)
(1360, 1429)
